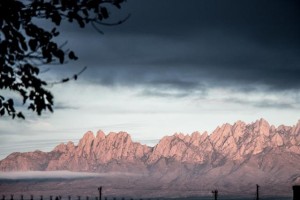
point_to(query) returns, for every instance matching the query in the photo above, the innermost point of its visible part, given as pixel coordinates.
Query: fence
(296, 196)
(32, 197)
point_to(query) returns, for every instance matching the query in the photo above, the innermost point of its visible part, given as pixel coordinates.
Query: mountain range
(233, 158)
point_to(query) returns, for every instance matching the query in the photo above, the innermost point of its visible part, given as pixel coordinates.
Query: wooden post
(41, 197)
(215, 192)
(69, 197)
(100, 193)
(11, 197)
(22, 197)
(50, 197)
(31, 197)
(257, 192)
(3, 197)
(78, 197)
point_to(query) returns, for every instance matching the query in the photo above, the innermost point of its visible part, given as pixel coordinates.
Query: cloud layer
(174, 66)
(196, 45)
(57, 175)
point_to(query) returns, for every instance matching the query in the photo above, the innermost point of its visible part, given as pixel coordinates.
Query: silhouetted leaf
(35, 70)
(85, 12)
(20, 115)
(65, 80)
(60, 55)
(80, 21)
(117, 5)
(10, 103)
(50, 108)
(104, 12)
(24, 45)
(32, 107)
(72, 56)
(32, 44)
(54, 32)
(56, 18)
(24, 100)
(54, 2)
(2, 111)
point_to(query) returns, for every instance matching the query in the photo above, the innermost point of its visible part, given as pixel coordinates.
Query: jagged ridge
(257, 152)
(237, 142)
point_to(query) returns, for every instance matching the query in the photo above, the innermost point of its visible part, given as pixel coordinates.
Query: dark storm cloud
(190, 45)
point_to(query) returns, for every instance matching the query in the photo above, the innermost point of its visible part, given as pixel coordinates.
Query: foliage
(25, 46)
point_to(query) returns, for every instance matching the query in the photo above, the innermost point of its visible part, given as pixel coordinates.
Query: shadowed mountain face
(239, 155)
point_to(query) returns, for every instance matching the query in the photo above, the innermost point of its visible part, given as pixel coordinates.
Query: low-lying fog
(58, 175)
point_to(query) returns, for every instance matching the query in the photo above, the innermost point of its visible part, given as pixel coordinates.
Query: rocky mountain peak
(119, 139)
(296, 128)
(195, 137)
(87, 138)
(86, 142)
(238, 130)
(239, 123)
(262, 127)
(100, 135)
(236, 143)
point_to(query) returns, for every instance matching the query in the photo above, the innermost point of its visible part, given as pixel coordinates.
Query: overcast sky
(173, 66)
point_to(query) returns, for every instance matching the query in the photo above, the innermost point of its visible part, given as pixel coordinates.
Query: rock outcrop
(241, 153)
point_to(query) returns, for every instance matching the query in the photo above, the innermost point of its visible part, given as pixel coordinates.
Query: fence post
(31, 197)
(257, 192)
(3, 197)
(87, 198)
(41, 197)
(215, 192)
(69, 197)
(100, 193)
(22, 197)
(78, 197)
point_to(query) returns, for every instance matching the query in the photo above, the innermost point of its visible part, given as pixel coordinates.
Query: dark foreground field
(116, 189)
